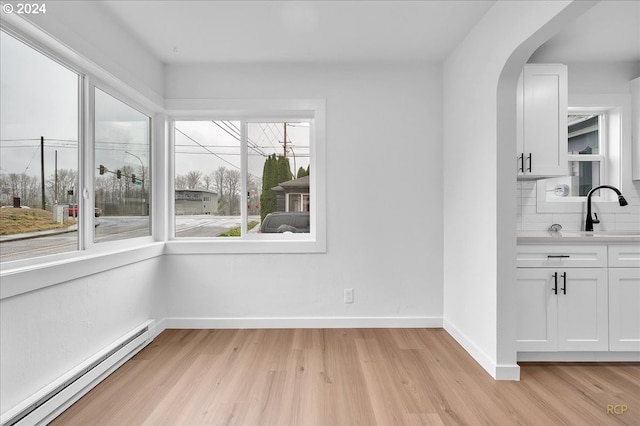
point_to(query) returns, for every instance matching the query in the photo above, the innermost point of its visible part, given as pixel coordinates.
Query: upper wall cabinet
(542, 121)
(635, 110)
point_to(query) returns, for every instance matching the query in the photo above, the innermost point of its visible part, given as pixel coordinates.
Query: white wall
(89, 29)
(384, 203)
(597, 77)
(479, 202)
(46, 333)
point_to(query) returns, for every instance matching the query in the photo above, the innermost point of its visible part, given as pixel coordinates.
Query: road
(110, 228)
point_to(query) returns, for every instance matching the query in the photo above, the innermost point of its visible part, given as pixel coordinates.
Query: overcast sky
(39, 97)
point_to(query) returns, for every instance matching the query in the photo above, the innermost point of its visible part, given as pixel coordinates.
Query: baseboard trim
(578, 356)
(300, 322)
(497, 371)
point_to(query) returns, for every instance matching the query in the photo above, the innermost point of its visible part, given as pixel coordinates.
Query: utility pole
(285, 140)
(42, 169)
(55, 191)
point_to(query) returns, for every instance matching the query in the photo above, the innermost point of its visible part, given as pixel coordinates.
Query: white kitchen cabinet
(624, 309)
(635, 134)
(542, 107)
(562, 309)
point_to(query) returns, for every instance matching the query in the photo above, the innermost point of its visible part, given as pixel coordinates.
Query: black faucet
(588, 226)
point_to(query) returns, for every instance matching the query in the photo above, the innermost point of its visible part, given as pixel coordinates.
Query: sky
(38, 97)
(207, 145)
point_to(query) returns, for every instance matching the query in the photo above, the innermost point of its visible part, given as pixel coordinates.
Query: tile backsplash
(530, 220)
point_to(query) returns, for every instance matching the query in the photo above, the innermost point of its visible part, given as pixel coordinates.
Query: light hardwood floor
(345, 377)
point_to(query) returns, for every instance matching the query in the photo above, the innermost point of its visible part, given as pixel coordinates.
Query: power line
(206, 149)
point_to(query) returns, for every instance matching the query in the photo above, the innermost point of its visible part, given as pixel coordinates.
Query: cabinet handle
(564, 283)
(521, 162)
(530, 162)
(555, 283)
(555, 256)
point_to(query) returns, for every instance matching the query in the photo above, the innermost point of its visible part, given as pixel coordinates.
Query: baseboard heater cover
(57, 397)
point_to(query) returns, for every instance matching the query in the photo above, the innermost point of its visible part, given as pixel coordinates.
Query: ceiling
(608, 32)
(298, 31)
(197, 31)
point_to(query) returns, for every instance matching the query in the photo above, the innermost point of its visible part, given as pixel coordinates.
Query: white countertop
(597, 237)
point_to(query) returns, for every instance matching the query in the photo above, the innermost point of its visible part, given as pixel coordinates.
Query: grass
(235, 232)
(18, 221)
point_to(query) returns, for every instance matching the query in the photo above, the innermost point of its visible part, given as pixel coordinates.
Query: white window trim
(262, 110)
(618, 168)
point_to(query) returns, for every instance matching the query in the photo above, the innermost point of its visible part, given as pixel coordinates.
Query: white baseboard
(497, 371)
(579, 356)
(301, 322)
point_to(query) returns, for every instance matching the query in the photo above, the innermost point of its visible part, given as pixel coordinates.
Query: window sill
(19, 280)
(283, 244)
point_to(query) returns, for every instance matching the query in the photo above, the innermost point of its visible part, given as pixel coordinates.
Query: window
(587, 162)
(38, 153)
(218, 159)
(47, 167)
(596, 140)
(122, 178)
(260, 162)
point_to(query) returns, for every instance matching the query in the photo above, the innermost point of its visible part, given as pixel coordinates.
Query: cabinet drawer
(624, 256)
(561, 256)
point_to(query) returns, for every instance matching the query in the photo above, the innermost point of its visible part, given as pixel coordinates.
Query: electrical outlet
(348, 295)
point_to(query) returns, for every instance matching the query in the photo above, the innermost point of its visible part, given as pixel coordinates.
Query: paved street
(112, 228)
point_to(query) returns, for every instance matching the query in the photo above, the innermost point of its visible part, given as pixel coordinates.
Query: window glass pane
(208, 179)
(584, 176)
(38, 153)
(122, 178)
(278, 174)
(584, 134)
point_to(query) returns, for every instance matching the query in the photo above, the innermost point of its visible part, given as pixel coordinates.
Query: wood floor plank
(346, 377)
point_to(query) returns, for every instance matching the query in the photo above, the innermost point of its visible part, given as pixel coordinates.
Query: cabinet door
(537, 311)
(583, 323)
(624, 309)
(545, 119)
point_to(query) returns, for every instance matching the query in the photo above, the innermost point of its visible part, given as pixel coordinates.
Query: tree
(218, 186)
(302, 172)
(193, 179)
(275, 171)
(208, 181)
(232, 184)
(181, 182)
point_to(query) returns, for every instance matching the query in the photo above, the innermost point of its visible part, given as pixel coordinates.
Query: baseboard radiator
(47, 404)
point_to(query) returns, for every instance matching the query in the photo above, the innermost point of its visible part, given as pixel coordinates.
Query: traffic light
(119, 174)
(102, 169)
(133, 178)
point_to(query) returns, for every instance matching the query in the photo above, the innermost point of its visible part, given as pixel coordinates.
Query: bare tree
(218, 186)
(181, 182)
(193, 179)
(208, 181)
(232, 184)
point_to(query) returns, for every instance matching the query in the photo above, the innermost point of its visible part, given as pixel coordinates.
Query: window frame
(615, 169)
(255, 110)
(601, 157)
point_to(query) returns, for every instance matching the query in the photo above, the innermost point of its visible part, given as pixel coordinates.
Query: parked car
(73, 211)
(280, 222)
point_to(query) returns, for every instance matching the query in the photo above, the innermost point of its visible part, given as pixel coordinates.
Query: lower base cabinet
(624, 309)
(562, 309)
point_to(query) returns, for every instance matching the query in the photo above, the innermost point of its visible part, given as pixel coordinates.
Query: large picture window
(38, 153)
(233, 177)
